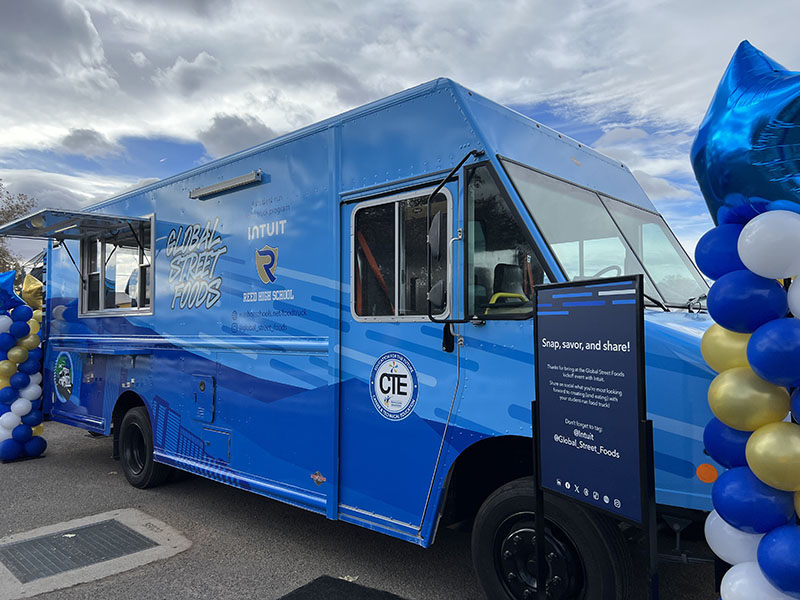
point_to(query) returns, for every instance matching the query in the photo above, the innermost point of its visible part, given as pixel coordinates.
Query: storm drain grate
(72, 549)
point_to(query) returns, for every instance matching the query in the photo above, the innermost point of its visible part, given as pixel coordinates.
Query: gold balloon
(34, 325)
(38, 315)
(29, 341)
(7, 368)
(38, 430)
(723, 349)
(4, 383)
(773, 454)
(742, 400)
(32, 292)
(19, 354)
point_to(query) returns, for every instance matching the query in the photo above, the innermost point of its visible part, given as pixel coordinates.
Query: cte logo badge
(266, 261)
(393, 386)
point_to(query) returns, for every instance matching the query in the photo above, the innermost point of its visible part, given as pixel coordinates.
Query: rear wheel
(587, 556)
(136, 450)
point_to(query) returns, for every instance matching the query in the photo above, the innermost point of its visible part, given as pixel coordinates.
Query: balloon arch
(747, 161)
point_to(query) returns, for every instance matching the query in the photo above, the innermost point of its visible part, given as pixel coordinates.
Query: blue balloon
(30, 366)
(716, 253)
(777, 556)
(742, 301)
(19, 380)
(774, 352)
(22, 433)
(750, 505)
(19, 329)
(22, 313)
(796, 405)
(724, 444)
(744, 144)
(35, 446)
(4, 408)
(8, 297)
(784, 205)
(7, 341)
(10, 450)
(35, 354)
(33, 418)
(735, 215)
(7, 395)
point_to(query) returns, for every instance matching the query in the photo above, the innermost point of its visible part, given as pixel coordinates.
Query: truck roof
(486, 124)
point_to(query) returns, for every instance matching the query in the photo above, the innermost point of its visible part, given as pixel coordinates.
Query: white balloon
(21, 407)
(5, 323)
(10, 420)
(769, 245)
(745, 581)
(36, 378)
(58, 311)
(30, 392)
(5, 434)
(794, 298)
(730, 544)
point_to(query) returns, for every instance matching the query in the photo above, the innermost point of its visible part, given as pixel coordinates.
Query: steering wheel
(601, 272)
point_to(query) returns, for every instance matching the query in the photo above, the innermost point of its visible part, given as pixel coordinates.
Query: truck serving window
(390, 257)
(594, 236)
(116, 270)
(502, 267)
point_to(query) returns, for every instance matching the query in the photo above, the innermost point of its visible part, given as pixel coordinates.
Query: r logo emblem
(266, 262)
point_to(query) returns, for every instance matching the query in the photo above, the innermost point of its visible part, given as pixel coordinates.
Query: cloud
(139, 59)
(188, 76)
(70, 191)
(89, 143)
(231, 133)
(149, 68)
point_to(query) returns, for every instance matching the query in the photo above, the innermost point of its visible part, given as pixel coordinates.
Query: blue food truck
(307, 320)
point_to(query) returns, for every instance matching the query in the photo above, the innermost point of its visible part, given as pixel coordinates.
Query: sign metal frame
(643, 428)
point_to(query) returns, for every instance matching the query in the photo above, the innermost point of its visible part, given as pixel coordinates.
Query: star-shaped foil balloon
(8, 297)
(746, 156)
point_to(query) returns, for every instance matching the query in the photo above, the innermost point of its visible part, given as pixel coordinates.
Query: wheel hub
(517, 562)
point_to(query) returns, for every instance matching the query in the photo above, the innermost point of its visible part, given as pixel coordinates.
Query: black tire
(136, 451)
(588, 558)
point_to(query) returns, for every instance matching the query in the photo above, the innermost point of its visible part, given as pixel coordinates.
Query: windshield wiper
(656, 301)
(696, 302)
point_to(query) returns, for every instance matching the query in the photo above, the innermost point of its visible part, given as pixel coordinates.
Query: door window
(390, 253)
(502, 267)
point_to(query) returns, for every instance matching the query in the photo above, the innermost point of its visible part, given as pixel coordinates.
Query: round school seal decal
(393, 386)
(62, 376)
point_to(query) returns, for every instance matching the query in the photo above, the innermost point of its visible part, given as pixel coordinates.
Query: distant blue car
(273, 320)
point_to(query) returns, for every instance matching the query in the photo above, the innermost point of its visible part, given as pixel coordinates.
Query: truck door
(502, 267)
(397, 385)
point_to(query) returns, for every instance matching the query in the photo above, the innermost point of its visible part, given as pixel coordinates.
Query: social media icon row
(585, 491)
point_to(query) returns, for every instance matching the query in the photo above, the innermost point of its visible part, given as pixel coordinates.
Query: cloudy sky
(99, 96)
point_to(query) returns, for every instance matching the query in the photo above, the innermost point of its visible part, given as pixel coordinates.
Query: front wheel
(136, 450)
(587, 557)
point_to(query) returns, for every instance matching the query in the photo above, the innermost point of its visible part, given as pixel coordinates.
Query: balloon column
(753, 254)
(20, 374)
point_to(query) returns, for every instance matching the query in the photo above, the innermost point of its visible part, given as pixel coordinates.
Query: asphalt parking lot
(243, 545)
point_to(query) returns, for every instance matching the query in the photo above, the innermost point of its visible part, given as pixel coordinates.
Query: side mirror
(435, 237)
(438, 295)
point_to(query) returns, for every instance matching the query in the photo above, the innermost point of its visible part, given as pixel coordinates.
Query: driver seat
(508, 279)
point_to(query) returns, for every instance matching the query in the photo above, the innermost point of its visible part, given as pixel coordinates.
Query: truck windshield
(597, 236)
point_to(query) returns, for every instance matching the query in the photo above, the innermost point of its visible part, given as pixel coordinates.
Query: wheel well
(481, 469)
(125, 402)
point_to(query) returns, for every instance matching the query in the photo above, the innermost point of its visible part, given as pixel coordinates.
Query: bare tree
(12, 206)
